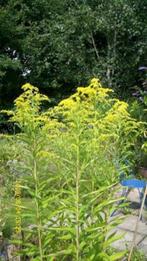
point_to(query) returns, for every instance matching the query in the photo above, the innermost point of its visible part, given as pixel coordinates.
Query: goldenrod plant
(71, 156)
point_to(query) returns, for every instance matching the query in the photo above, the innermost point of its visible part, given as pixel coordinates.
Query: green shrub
(72, 156)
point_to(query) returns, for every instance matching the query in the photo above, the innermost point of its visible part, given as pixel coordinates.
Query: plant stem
(77, 201)
(37, 210)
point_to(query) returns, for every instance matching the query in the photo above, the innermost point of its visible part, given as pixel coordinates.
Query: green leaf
(117, 256)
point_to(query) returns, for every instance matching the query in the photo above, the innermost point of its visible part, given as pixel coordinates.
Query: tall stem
(37, 210)
(77, 201)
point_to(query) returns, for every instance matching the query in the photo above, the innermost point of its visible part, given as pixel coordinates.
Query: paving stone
(143, 246)
(126, 240)
(129, 225)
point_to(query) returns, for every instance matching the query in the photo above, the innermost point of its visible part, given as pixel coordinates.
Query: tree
(59, 45)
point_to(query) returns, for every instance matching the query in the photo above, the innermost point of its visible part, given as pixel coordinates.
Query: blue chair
(131, 184)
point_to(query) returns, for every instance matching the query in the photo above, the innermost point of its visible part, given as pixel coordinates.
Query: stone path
(127, 228)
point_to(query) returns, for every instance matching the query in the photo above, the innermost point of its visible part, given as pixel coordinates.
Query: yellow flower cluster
(29, 87)
(27, 105)
(68, 103)
(86, 96)
(121, 107)
(117, 112)
(92, 106)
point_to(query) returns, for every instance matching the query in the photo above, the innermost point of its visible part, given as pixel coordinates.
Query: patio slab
(126, 240)
(127, 228)
(129, 224)
(143, 246)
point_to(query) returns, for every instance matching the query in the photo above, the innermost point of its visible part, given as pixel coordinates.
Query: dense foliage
(57, 45)
(69, 160)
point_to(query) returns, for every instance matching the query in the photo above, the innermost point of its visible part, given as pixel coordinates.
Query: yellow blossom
(29, 87)
(68, 103)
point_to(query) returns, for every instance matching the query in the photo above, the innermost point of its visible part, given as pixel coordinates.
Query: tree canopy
(57, 45)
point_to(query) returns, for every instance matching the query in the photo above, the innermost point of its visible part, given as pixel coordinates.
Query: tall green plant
(71, 157)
